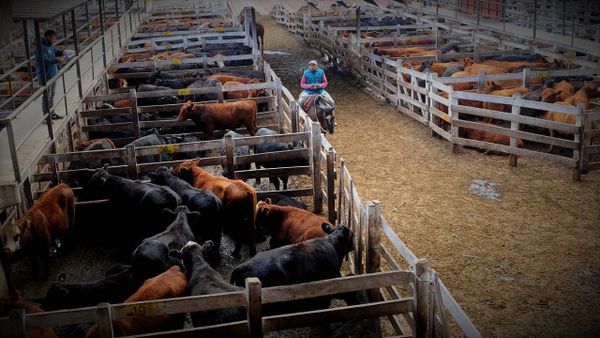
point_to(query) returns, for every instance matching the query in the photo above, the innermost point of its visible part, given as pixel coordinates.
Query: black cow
(147, 101)
(204, 84)
(208, 225)
(186, 155)
(355, 328)
(253, 74)
(282, 200)
(137, 202)
(115, 287)
(271, 147)
(151, 138)
(312, 260)
(101, 144)
(151, 257)
(203, 280)
(239, 151)
(175, 83)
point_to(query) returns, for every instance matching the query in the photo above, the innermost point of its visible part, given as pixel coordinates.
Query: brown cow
(228, 115)
(169, 284)
(228, 77)
(582, 96)
(239, 201)
(399, 52)
(242, 94)
(489, 137)
(288, 225)
(16, 301)
(48, 219)
(559, 92)
(85, 143)
(502, 107)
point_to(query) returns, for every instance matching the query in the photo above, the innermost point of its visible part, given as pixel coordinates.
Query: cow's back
(58, 208)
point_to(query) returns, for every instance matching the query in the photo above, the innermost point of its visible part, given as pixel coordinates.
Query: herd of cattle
(568, 90)
(175, 223)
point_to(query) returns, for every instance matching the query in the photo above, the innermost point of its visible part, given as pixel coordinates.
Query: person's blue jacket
(310, 78)
(51, 62)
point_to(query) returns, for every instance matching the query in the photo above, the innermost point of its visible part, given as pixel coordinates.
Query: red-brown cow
(48, 219)
(239, 201)
(169, 284)
(288, 225)
(229, 77)
(16, 301)
(228, 115)
(242, 94)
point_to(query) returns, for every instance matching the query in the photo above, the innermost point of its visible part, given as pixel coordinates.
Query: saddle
(309, 102)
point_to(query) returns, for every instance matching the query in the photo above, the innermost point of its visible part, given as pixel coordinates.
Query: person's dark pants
(50, 93)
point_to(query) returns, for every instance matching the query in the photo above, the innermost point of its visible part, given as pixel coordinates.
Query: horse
(319, 110)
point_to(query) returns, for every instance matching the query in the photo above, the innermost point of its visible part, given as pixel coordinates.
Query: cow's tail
(67, 203)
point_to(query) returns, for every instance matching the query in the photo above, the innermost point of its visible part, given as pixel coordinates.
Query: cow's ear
(152, 175)
(345, 231)
(207, 247)
(327, 228)
(168, 211)
(268, 201)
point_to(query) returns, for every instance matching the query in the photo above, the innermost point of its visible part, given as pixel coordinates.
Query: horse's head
(326, 115)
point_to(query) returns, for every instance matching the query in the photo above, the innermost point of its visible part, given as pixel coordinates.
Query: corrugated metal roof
(41, 9)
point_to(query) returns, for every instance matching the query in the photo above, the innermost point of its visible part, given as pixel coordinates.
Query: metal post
(13, 150)
(64, 23)
(118, 23)
(534, 17)
(478, 9)
(254, 37)
(101, 14)
(89, 23)
(46, 102)
(358, 27)
(28, 55)
(76, 46)
(564, 16)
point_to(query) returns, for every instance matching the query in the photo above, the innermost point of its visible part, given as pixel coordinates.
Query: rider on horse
(314, 82)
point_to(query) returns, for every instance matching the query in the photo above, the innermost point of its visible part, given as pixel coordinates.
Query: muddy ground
(525, 265)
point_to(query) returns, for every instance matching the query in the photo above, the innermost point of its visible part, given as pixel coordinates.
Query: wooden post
(585, 142)
(279, 98)
(331, 185)
(514, 125)
(439, 306)
(229, 156)
(480, 80)
(315, 129)
(135, 117)
(17, 323)
(220, 94)
(104, 321)
(359, 268)
(341, 197)
(295, 116)
(577, 155)
(253, 295)
(358, 28)
(373, 262)
(526, 74)
(54, 168)
(132, 171)
(423, 287)
(453, 129)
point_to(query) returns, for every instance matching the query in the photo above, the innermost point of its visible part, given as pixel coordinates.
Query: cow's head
(185, 170)
(341, 237)
(159, 176)
(185, 111)
(11, 235)
(190, 252)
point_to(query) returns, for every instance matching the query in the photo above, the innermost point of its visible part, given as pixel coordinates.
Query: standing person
(52, 59)
(314, 81)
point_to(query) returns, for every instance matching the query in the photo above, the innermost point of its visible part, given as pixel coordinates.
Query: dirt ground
(526, 265)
